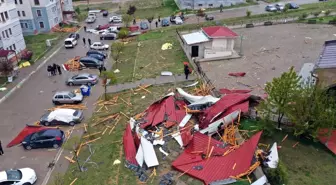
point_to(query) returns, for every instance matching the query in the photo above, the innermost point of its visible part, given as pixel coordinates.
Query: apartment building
(198, 4)
(11, 37)
(38, 16)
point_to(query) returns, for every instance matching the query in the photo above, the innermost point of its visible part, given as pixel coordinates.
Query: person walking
(49, 70)
(84, 28)
(54, 69)
(134, 22)
(84, 41)
(89, 41)
(1, 150)
(156, 23)
(186, 71)
(100, 69)
(59, 69)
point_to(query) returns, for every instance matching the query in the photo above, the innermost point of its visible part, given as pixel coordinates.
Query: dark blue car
(165, 22)
(49, 138)
(97, 56)
(91, 51)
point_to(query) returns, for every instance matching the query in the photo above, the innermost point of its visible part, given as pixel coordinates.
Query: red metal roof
(218, 31)
(216, 110)
(4, 53)
(328, 141)
(29, 129)
(129, 146)
(217, 167)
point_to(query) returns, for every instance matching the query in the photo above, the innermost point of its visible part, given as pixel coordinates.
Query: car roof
(62, 92)
(52, 132)
(69, 39)
(97, 43)
(95, 51)
(88, 58)
(84, 74)
(3, 176)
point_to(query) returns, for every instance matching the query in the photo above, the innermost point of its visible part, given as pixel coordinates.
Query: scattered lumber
(203, 90)
(113, 116)
(73, 182)
(91, 141)
(91, 134)
(284, 138)
(104, 130)
(69, 159)
(144, 88)
(73, 64)
(124, 115)
(115, 124)
(80, 107)
(295, 144)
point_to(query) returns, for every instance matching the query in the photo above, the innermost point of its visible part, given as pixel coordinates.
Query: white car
(280, 6)
(62, 117)
(116, 19)
(112, 29)
(23, 176)
(99, 46)
(178, 20)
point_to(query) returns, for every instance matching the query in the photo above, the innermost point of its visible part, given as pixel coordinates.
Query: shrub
(327, 12)
(304, 15)
(248, 13)
(110, 75)
(277, 176)
(316, 14)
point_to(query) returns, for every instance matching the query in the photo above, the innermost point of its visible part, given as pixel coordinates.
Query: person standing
(49, 70)
(84, 41)
(54, 69)
(159, 19)
(84, 28)
(186, 71)
(89, 41)
(156, 23)
(59, 69)
(100, 69)
(1, 150)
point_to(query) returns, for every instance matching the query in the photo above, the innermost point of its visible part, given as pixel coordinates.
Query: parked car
(209, 17)
(22, 176)
(133, 34)
(70, 42)
(164, 22)
(178, 20)
(293, 6)
(103, 27)
(67, 97)
(108, 36)
(74, 35)
(112, 29)
(93, 14)
(116, 19)
(97, 56)
(105, 13)
(83, 79)
(280, 6)
(143, 26)
(62, 117)
(96, 52)
(90, 62)
(270, 8)
(90, 19)
(99, 46)
(48, 138)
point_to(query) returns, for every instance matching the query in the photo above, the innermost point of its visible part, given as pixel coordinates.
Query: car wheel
(70, 84)
(55, 145)
(72, 123)
(77, 102)
(89, 84)
(46, 123)
(56, 102)
(28, 147)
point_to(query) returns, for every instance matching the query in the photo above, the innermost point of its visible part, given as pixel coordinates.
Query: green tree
(277, 176)
(6, 68)
(123, 33)
(126, 19)
(327, 12)
(116, 49)
(131, 10)
(77, 10)
(286, 8)
(280, 94)
(316, 14)
(248, 13)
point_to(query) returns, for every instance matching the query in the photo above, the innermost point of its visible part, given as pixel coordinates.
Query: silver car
(83, 79)
(67, 97)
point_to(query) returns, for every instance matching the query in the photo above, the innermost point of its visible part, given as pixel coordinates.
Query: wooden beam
(69, 159)
(92, 141)
(73, 182)
(92, 134)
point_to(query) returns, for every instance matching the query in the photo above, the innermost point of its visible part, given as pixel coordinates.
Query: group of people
(52, 69)
(89, 41)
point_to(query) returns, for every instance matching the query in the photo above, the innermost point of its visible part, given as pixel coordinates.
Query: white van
(70, 43)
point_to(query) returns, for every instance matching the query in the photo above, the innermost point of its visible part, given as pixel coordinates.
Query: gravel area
(268, 52)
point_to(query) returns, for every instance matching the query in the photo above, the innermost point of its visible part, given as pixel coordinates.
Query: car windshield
(76, 113)
(74, 77)
(91, 76)
(71, 94)
(14, 174)
(68, 42)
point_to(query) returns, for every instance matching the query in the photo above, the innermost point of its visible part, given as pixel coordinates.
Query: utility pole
(241, 45)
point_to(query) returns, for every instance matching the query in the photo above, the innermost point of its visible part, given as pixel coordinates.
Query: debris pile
(206, 130)
(72, 64)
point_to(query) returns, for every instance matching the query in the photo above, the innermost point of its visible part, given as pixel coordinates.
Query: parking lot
(28, 104)
(268, 52)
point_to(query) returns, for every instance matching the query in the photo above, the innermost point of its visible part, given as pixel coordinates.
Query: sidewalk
(159, 80)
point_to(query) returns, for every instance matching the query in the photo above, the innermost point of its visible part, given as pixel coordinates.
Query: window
(14, 46)
(10, 47)
(41, 24)
(54, 9)
(20, 1)
(23, 13)
(19, 14)
(200, 4)
(15, 1)
(10, 31)
(66, 97)
(21, 25)
(26, 25)
(37, 2)
(6, 15)
(3, 34)
(59, 97)
(7, 33)
(3, 17)
(39, 13)
(210, 4)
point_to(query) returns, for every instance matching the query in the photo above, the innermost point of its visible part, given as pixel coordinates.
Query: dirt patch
(268, 52)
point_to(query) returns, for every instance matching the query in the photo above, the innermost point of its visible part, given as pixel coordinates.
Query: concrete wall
(43, 18)
(54, 14)
(197, 4)
(28, 26)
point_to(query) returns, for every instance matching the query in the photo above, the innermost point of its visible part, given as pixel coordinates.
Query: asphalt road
(27, 104)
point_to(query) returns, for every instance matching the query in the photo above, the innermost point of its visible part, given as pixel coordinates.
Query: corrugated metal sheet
(196, 37)
(219, 32)
(328, 56)
(328, 141)
(129, 146)
(216, 167)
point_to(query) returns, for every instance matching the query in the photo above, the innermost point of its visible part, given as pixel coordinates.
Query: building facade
(10, 29)
(198, 4)
(38, 16)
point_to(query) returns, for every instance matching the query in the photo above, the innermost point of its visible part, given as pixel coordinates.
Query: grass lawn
(37, 43)
(3, 80)
(148, 59)
(309, 163)
(321, 20)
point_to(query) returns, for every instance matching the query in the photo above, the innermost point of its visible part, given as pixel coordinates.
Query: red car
(103, 27)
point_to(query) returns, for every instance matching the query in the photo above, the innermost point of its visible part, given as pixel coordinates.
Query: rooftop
(196, 37)
(219, 31)
(328, 56)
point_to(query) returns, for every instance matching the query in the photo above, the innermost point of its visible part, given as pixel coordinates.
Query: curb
(30, 74)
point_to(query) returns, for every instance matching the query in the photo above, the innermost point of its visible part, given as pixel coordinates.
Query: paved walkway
(159, 80)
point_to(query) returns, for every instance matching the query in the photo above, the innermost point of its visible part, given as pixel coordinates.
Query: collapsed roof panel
(129, 146)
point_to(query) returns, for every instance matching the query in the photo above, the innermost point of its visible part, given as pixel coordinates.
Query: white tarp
(261, 181)
(178, 138)
(195, 99)
(65, 115)
(149, 153)
(132, 122)
(185, 120)
(140, 156)
(213, 127)
(164, 152)
(273, 157)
